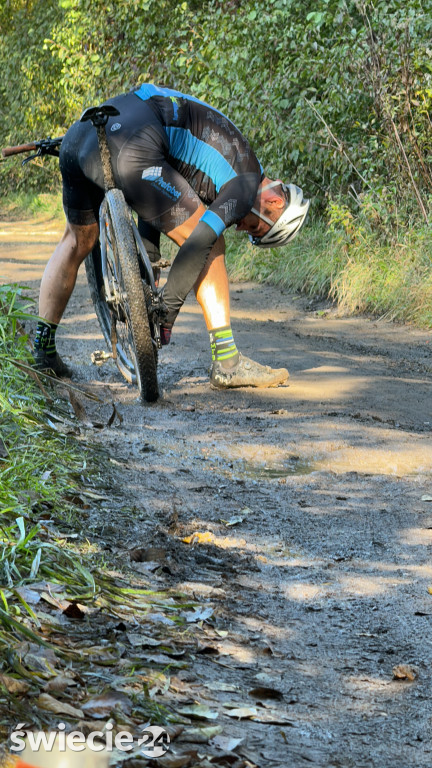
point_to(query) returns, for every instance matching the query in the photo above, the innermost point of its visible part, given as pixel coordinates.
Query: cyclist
(189, 173)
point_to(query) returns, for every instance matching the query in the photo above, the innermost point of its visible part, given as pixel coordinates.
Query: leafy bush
(32, 480)
(335, 94)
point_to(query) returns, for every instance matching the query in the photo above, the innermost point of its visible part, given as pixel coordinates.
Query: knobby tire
(129, 276)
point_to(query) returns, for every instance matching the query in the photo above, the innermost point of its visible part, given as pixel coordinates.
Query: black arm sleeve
(236, 198)
(187, 267)
(234, 201)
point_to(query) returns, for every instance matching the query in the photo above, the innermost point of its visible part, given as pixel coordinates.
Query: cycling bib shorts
(171, 153)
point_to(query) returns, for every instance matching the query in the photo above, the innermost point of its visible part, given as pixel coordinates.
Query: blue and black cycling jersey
(208, 151)
(171, 153)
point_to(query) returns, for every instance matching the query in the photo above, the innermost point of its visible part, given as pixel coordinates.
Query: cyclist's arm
(234, 201)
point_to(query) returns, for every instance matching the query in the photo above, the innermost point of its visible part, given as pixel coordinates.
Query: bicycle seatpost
(99, 118)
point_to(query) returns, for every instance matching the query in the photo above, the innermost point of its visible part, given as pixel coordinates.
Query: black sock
(45, 337)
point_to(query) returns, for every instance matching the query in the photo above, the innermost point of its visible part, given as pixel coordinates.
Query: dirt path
(310, 537)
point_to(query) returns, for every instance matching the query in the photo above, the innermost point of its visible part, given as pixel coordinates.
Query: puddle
(291, 465)
(408, 457)
(260, 462)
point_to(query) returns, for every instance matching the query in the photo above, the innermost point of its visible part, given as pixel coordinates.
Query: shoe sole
(270, 385)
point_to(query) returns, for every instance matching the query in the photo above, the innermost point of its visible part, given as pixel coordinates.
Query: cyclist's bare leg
(59, 277)
(212, 287)
(212, 292)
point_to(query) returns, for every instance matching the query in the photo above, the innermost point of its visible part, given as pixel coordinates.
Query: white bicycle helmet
(289, 222)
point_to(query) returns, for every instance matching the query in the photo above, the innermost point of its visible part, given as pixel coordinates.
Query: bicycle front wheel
(119, 297)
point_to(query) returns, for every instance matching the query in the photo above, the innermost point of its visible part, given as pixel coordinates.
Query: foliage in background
(334, 94)
(351, 265)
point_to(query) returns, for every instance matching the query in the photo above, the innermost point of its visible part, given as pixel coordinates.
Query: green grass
(33, 481)
(28, 205)
(357, 269)
(47, 476)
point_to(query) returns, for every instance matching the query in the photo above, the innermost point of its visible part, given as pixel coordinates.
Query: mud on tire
(118, 296)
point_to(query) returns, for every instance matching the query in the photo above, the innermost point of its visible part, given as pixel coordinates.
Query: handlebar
(20, 148)
(47, 146)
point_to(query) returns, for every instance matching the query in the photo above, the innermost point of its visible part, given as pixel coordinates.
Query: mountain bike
(120, 275)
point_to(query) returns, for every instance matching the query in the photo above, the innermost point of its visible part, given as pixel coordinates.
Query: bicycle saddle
(99, 115)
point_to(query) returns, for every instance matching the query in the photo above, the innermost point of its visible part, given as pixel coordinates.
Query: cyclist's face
(253, 225)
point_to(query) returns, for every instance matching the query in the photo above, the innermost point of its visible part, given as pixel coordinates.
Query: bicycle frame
(121, 277)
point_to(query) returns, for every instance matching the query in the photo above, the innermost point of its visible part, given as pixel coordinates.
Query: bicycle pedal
(99, 357)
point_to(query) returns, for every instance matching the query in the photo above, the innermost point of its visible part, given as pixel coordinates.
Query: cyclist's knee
(80, 240)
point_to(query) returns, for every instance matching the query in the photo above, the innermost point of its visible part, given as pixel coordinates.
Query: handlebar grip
(7, 151)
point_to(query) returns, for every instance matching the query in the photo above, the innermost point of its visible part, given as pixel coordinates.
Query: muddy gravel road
(302, 515)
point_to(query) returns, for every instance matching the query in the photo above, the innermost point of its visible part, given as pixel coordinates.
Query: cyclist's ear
(272, 197)
(275, 201)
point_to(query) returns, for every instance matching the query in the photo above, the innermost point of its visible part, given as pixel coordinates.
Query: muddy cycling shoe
(53, 365)
(246, 373)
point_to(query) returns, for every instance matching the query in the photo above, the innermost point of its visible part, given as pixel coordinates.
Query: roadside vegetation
(60, 596)
(351, 265)
(345, 259)
(21, 206)
(335, 95)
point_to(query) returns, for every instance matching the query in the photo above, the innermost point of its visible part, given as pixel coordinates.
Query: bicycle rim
(119, 297)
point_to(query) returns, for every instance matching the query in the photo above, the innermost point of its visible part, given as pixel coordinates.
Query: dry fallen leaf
(50, 704)
(199, 538)
(273, 716)
(59, 683)
(31, 596)
(160, 618)
(201, 735)
(39, 660)
(198, 614)
(242, 713)
(102, 706)
(207, 537)
(235, 520)
(219, 686)
(198, 711)
(137, 640)
(226, 743)
(55, 602)
(176, 761)
(405, 672)
(13, 685)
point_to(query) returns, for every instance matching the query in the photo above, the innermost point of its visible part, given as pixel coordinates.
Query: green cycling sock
(223, 347)
(45, 337)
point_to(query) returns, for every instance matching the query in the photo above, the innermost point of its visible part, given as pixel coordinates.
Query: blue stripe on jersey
(147, 90)
(184, 146)
(214, 221)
